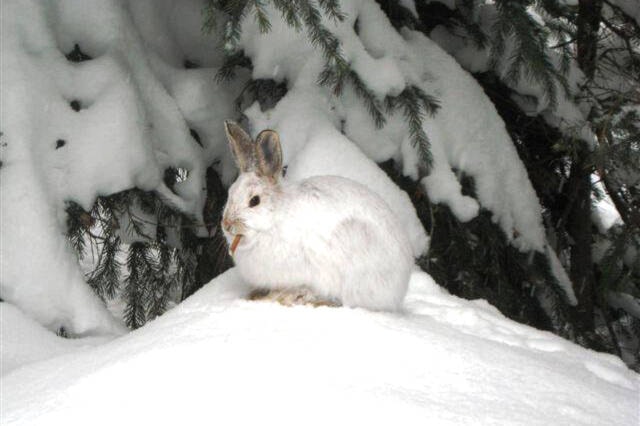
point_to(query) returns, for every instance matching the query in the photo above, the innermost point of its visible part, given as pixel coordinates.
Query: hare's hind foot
(292, 297)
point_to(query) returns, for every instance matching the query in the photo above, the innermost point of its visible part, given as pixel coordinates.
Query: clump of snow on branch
(133, 107)
(530, 95)
(466, 134)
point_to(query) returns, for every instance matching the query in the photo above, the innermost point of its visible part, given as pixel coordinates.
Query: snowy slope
(218, 359)
(24, 341)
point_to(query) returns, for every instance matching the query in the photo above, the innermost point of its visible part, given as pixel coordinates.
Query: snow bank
(217, 358)
(24, 341)
(77, 130)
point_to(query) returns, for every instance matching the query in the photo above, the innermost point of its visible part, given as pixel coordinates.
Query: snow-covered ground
(220, 359)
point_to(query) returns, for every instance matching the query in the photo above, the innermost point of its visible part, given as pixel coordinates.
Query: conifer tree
(537, 44)
(601, 38)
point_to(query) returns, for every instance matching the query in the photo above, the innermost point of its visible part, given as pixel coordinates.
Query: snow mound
(72, 131)
(218, 358)
(25, 341)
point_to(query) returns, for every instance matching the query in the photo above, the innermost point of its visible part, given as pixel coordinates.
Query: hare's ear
(241, 146)
(269, 154)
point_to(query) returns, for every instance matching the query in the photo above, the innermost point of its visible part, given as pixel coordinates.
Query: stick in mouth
(234, 244)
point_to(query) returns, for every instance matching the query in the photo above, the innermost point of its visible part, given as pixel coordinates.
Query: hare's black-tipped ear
(269, 154)
(241, 146)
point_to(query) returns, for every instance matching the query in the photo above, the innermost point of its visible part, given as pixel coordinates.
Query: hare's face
(249, 208)
(251, 204)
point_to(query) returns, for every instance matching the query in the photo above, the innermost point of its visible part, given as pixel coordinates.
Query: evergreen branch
(541, 263)
(318, 34)
(161, 296)
(153, 272)
(430, 104)
(369, 99)
(529, 54)
(476, 33)
(208, 13)
(629, 20)
(416, 105)
(554, 8)
(611, 265)
(267, 92)
(136, 284)
(135, 225)
(231, 36)
(337, 70)
(261, 16)
(465, 20)
(289, 13)
(78, 223)
(164, 282)
(332, 9)
(171, 221)
(105, 279)
(236, 11)
(146, 200)
(400, 15)
(227, 70)
(332, 77)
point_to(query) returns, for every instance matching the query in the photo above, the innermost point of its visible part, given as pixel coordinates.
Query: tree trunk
(579, 227)
(579, 184)
(213, 257)
(589, 14)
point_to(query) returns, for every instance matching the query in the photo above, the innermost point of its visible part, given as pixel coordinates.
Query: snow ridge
(219, 358)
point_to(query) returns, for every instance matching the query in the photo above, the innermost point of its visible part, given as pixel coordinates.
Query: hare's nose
(226, 224)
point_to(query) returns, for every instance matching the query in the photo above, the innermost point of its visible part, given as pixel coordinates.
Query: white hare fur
(329, 234)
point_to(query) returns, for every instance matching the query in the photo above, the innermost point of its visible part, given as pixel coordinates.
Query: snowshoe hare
(323, 240)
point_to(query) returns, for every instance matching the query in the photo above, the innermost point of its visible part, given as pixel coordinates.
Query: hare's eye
(254, 201)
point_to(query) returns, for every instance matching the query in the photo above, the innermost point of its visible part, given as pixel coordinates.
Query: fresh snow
(139, 104)
(604, 214)
(566, 115)
(24, 341)
(467, 135)
(218, 358)
(136, 111)
(561, 276)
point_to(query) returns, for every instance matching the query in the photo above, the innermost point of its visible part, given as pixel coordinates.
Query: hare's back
(328, 201)
(361, 239)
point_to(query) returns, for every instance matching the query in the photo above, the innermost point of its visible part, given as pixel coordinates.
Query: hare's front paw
(292, 297)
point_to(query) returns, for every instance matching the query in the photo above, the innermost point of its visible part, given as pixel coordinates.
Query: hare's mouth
(234, 244)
